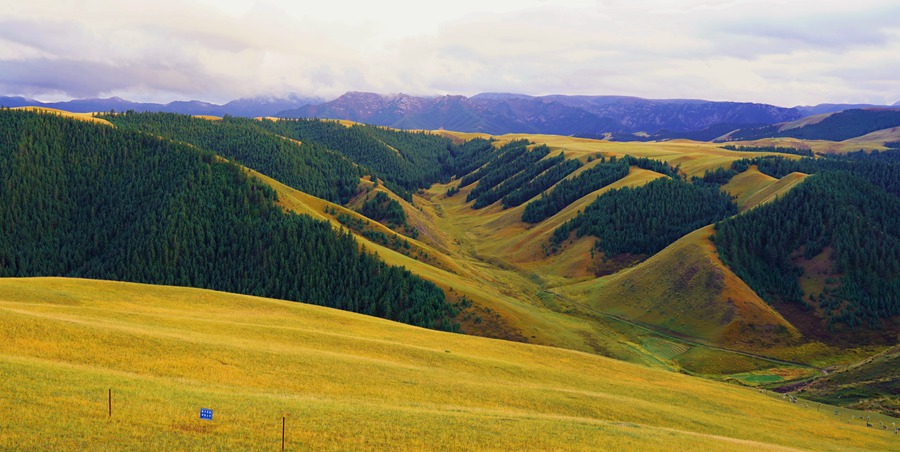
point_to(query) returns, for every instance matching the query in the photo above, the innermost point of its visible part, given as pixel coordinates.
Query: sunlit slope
(744, 185)
(694, 157)
(686, 289)
(344, 381)
(416, 216)
(871, 140)
(774, 190)
(303, 203)
(67, 114)
(520, 243)
(874, 140)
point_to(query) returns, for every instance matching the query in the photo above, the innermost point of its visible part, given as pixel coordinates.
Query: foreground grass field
(345, 381)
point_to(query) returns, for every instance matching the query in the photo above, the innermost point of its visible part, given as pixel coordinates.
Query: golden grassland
(89, 117)
(773, 191)
(802, 122)
(346, 381)
(744, 185)
(686, 288)
(525, 294)
(879, 136)
(873, 141)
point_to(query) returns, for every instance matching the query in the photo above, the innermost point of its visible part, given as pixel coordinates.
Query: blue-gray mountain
(494, 113)
(557, 114)
(248, 107)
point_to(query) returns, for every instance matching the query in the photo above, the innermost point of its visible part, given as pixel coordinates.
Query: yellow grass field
(348, 382)
(773, 191)
(744, 185)
(79, 116)
(685, 288)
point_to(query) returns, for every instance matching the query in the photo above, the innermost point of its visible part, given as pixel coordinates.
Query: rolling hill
(681, 309)
(86, 200)
(89, 364)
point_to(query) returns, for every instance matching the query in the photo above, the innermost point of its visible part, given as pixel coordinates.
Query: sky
(784, 52)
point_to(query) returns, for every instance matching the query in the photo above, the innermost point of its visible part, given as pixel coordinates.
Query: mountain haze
(556, 114)
(493, 113)
(248, 107)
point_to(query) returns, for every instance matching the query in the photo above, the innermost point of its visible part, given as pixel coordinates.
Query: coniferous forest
(881, 168)
(847, 210)
(405, 161)
(308, 167)
(646, 219)
(92, 201)
(570, 190)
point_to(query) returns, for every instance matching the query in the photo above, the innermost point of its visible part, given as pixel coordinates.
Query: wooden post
(109, 398)
(282, 433)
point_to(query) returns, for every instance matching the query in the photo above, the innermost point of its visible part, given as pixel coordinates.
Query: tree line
(518, 180)
(405, 161)
(881, 168)
(646, 219)
(544, 181)
(600, 175)
(778, 149)
(382, 208)
(308, 167)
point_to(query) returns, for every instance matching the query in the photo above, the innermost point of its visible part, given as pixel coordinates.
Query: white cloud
(787, 53)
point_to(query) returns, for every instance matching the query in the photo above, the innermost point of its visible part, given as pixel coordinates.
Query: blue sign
(206, 413)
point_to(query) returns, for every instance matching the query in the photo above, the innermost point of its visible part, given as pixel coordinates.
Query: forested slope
(839, 215)
(406, 161)
(85, 200)
(307, 167)
(837, 127)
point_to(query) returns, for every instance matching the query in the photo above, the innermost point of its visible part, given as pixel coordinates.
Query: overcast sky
(780, 52)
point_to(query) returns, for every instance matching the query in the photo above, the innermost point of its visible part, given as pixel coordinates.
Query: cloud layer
(785, 53)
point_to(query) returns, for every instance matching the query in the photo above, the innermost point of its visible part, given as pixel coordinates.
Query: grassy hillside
(345, 381)
(772, 191)
(686, 289)
(746, 184)
(834, 127)
(66, 114)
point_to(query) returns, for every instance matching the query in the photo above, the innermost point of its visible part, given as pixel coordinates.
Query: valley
(572, 317)
(480, 226)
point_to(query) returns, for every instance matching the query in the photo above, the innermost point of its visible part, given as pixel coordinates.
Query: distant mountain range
(497, 113)
(493, 113)
(248, 107)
